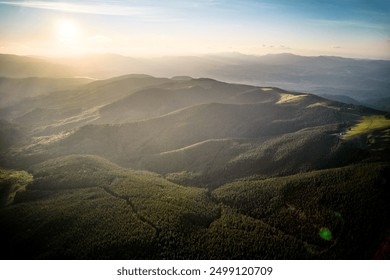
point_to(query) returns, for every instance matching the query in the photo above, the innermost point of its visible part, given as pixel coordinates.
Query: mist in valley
(249, 152)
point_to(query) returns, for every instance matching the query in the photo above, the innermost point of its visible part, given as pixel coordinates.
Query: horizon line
(188, 55)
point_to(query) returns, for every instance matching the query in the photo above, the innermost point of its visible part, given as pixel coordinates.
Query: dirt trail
(134, 209)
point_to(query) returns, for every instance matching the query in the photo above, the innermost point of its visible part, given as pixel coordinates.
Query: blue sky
(352, 28)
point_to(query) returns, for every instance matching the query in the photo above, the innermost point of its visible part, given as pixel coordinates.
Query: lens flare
(326, 234)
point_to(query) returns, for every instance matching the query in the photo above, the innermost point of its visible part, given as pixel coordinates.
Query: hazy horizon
(204, 130)
(355, 29)
(189, 55)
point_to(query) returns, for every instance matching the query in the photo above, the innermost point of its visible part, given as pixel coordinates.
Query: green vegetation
(75, 172)
(86, 207)
(326, 210)
(137, 167)
(366, 125)
(10, 135)
(11, 182)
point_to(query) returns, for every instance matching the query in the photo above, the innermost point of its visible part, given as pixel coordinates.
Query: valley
(144, 167)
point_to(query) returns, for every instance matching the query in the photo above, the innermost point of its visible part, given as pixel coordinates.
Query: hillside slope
(138, 167)
(84, 207)
(299, 132)
(15, 66)
(360, 79)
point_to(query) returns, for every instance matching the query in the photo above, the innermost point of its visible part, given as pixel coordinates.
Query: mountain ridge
(159, 119)
(359, 79)
(138, 167)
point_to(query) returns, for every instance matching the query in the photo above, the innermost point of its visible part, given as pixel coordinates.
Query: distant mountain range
(359, 81)
(140, 121)
(144, 167)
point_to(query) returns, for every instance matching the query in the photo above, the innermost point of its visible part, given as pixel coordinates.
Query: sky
(149, 28)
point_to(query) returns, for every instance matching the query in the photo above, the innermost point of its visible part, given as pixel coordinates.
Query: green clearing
(11, 182)
(366, 125)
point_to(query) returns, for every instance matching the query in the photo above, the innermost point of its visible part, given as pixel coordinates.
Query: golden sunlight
(67, 31)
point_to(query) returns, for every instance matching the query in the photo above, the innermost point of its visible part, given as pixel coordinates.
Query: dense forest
(137, 167)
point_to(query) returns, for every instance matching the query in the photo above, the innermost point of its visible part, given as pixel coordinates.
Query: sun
(67, 31)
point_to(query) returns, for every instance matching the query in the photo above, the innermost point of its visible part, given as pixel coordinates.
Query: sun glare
(67, 31)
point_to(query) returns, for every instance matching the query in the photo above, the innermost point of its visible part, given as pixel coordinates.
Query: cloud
(150, 13)
(336, 47)
(274, 47)
(84, 8)
(283, 47)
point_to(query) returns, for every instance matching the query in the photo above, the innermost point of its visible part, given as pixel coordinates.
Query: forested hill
(142, 167)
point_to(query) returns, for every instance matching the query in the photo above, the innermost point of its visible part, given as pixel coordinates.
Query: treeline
(338, 213)
(340, 200)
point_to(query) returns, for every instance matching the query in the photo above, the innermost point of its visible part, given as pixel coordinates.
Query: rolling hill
(360, 79)
(14, 66)
(14, 90)
(204, 130)
(70, 211)
(141, 167)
